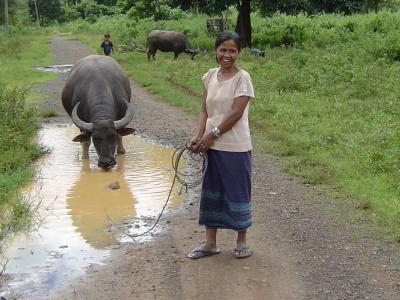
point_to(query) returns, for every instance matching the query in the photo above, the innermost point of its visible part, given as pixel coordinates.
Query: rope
(187, 180)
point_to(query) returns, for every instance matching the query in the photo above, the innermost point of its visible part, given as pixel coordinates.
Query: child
(107, 45)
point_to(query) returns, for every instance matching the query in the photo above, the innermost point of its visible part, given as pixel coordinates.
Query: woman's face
(227, 54)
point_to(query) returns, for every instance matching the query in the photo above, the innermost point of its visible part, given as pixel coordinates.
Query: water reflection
(92, 203)
(76, 202)
(55, 68)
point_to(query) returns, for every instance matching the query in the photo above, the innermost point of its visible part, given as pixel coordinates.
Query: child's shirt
(107, 47)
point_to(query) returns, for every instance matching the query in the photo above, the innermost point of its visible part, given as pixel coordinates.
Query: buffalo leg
(120, 145)
(176, 55)
(151, 55)
(151, 52)
(85, 149)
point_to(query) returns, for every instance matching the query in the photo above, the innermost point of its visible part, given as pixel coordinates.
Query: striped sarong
(226, 191)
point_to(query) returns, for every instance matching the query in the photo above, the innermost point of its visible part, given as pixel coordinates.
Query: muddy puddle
(80, 212)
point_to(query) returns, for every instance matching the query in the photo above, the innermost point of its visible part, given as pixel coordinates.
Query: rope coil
(186, 179)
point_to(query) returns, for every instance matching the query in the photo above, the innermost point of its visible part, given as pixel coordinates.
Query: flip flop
(199, 252)
(242, 251)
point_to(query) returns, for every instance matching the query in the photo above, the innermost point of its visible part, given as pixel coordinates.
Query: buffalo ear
(81, 138)
(126, 131)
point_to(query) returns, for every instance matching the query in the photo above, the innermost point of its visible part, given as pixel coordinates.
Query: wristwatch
(216, 132)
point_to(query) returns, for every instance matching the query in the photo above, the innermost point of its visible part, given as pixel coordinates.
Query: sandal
(201, 251)
(242, 251)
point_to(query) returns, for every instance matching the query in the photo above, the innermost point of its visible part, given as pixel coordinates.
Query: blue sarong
(226, 191)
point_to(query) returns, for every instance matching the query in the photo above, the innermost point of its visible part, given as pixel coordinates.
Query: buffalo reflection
(92, 203)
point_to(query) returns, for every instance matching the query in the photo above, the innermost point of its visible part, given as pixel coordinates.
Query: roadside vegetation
(18, 126)
(327, 95)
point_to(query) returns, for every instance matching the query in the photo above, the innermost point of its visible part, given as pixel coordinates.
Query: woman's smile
(227, 53)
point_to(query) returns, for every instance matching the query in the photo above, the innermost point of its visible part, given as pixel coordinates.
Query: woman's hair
(227, 36)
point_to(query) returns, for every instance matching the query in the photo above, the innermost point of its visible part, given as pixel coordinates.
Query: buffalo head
(104, 133)
(192, 52)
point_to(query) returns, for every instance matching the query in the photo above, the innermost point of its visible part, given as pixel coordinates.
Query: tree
(107, 2)
(17, 13)
(293, 7)
(156, 9)
(243, 22)
(36, 13)
(290, 7)
(6, 25)
(48, 10)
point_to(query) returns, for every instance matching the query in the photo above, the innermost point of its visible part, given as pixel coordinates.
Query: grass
(47, 113)
(19, 125)
(326, 98)
(20, 54)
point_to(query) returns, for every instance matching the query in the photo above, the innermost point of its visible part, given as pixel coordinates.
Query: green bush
(71, 13)
(18, 125)
(158, 10)
(90, 11)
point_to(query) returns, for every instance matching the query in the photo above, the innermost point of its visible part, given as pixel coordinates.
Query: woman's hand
(204, 143)
(193, 142)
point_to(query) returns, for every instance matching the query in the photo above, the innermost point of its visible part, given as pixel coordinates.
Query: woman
(223, 132)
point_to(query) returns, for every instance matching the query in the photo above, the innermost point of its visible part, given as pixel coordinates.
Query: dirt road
(303, 249)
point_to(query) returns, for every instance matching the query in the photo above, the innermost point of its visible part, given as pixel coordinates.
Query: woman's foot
(202, 251)
(242, 251)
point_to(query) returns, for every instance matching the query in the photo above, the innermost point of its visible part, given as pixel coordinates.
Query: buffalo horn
(78, 122)
(126, 119)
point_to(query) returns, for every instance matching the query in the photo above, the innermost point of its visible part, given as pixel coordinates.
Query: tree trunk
(376, 6)
(225, 20)
(243, 23)
(37, 14)
(6, 23)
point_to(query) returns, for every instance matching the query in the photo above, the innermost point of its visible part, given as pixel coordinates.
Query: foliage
(158, 10)
(91, 11)
(17, 11)
(71, 13)
(293, 7)
(48, 10)
(290, 7)
(214, 7)
(125, 5)
(18, 124)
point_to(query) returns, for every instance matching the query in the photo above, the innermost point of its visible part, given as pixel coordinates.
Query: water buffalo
(168, 41)
(97, 97)
(257, 52)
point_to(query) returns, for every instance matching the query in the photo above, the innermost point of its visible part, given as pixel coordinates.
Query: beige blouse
(220, 96)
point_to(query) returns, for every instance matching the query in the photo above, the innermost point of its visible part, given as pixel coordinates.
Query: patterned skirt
(226, 191)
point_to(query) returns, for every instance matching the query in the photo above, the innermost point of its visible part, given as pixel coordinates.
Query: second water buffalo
(168, 41)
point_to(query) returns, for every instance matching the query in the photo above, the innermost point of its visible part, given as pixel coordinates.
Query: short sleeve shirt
(107, 47)
(219, 102)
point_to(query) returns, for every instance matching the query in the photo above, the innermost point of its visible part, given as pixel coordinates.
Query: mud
(303, 247)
